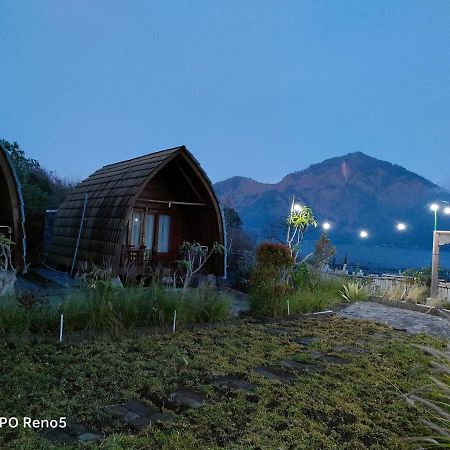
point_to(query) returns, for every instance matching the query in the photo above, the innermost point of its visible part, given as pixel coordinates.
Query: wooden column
(435, 266)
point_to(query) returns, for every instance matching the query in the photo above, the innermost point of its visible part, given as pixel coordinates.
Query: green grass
(267, 302)
(354, 406)
(114, 311)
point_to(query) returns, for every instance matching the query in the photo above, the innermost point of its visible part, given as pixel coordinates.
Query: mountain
(352, 192)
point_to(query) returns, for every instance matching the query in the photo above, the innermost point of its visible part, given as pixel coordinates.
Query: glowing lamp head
(363, 234)
(401, 227)
(326, 226)
(447, 210)
(298, 208)
(434, 207)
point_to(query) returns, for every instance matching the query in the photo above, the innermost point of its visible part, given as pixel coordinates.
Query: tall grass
(434, 402)
(114, 311)
(308, 298)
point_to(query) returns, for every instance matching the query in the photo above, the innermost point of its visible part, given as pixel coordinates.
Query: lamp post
(435, 207)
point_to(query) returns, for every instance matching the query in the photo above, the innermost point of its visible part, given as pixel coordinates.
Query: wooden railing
(138, 257)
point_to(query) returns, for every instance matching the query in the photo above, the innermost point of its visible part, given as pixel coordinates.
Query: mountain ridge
(353, 190)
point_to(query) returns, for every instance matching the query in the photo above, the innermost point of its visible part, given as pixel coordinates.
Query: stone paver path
(230, 382)
(73, 433)
(398, 318)
(300, 366)
(306, 341)
(326, 358)
(274, 373)
(137, 414)
(187, 398)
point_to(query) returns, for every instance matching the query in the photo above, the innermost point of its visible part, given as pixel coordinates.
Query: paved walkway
(411, 321)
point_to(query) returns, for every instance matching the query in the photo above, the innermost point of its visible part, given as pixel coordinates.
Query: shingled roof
(111, 193)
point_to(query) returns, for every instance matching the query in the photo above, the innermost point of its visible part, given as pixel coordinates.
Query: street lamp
(363, 234)
(326, 226)
(434, 207)
(447, 210)
(401, 226)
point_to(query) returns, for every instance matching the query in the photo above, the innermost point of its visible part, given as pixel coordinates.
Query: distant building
(138, 212)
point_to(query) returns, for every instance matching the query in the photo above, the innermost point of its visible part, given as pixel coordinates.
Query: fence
(378, 285)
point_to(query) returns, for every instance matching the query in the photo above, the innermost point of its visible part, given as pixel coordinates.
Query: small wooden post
(61, 327)
(174, 321)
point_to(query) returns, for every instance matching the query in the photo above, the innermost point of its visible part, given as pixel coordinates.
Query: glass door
(149, 237)
(163, 233)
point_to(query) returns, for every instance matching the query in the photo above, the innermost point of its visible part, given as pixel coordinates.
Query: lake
(376, 258)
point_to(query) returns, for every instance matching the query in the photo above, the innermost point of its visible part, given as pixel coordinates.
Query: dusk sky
(254, 88)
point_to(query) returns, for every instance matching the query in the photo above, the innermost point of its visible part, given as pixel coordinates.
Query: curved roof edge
(20, 226)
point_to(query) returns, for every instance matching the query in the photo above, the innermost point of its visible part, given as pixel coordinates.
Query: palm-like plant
(354, 291)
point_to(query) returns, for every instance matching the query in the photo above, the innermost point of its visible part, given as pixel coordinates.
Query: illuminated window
(136, 228)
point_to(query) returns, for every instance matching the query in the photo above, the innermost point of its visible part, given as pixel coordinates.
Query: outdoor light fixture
(401, 227)
(297, 208)
(434, 207)
(447, 210)
(363, 234)
(326, 226)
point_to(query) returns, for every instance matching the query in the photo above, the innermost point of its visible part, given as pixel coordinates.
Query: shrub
(270, 299)
(269, 279)
(395, 292)
(420, 276)
(353, 291)
(273, 262)
(417, 294)
(305, 277)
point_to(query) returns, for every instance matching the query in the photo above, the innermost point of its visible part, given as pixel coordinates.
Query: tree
(41, 190)
(324, 251)
(232, 219)
(299, 220)
(195, 256)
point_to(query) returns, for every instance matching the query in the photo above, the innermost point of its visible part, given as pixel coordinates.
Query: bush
(354, 291)
(269, 279)
(305, 277)
(395, 292)
(417, 294)
(270, 299)
(420, 276)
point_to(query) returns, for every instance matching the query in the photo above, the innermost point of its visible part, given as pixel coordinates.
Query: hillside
(352, 192)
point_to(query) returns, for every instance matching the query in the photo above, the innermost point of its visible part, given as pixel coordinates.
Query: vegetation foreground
(350, 406)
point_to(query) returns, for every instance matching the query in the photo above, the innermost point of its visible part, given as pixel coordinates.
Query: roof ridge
(172, 150)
